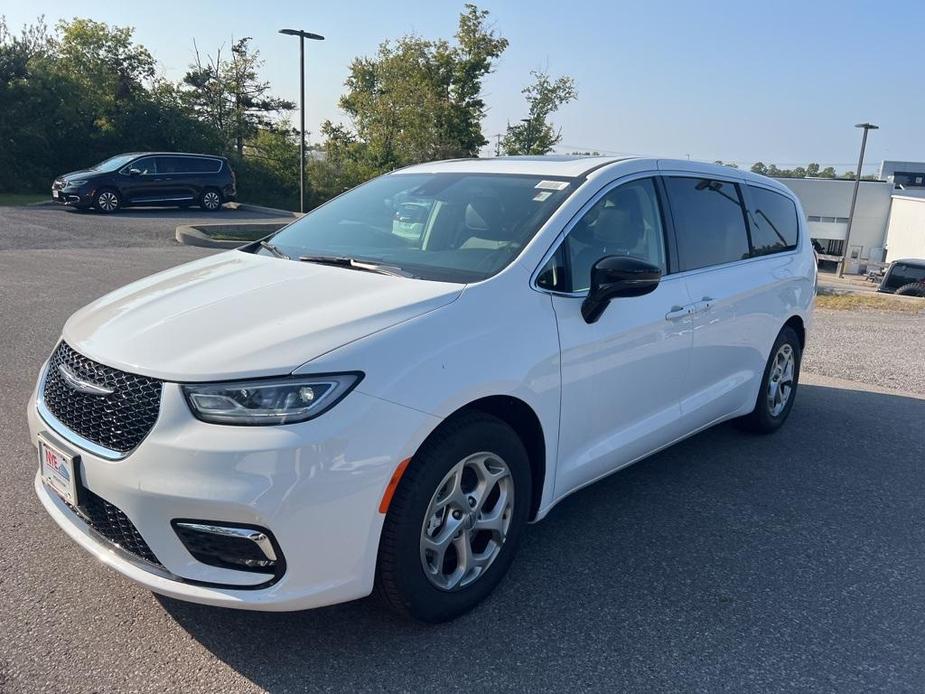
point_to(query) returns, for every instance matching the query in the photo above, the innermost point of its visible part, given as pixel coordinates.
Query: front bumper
(72, 197)
(316, 486)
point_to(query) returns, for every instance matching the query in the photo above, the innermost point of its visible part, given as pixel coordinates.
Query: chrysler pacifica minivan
(384, 393)
(148, 178)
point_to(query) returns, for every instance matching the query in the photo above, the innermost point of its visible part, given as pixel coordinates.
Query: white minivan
(386, 391)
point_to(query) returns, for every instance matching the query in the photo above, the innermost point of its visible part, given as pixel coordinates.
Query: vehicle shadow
(728, 562)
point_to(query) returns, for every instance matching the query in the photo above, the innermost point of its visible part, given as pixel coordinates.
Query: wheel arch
(796, 322)
(522, 418)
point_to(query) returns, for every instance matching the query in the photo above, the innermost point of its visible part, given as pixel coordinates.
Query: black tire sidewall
(403, 570)
(765, 419)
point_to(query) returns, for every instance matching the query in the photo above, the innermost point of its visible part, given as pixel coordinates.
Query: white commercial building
(889, 218)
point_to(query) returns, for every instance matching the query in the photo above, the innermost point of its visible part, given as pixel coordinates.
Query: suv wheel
(778, 386)
(107, 201)
(211, 199)
(455, 520)
(912, 289)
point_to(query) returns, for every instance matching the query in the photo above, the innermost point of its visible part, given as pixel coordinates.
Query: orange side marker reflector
(393, 485)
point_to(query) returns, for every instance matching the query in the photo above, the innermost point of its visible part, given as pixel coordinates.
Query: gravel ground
(884, 349)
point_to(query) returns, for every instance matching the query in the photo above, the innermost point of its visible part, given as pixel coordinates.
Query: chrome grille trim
(121, 413)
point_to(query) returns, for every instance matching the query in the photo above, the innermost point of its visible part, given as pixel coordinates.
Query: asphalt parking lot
(792, 562)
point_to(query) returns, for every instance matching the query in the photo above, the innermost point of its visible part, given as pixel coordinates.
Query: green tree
(416, 100)
(827, 172)
(759, 167)
(535, 134)
(229, 94)
(812, 169)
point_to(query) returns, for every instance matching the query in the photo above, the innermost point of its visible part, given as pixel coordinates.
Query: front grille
(109, 521)
(117, 421)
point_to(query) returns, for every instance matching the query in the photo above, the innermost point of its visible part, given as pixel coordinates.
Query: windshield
(449, 227)
(114, 163)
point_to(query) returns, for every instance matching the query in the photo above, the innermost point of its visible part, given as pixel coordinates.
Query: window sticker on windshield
(542, 195)
(551, 185)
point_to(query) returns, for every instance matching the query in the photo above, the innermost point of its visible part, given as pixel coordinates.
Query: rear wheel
(107, 201)
(912, 289)
(778, 385)
(210, 200)
(455, 521)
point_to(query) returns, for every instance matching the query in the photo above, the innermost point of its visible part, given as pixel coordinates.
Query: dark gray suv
(148, 178)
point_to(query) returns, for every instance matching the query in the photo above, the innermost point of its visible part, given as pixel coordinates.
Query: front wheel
(107, 201)
(778, 385)
(455, 520)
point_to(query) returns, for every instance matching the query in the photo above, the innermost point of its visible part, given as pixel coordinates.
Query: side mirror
(134, 172)
(616, 276)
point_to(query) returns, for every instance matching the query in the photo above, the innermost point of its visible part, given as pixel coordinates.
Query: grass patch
(870, 302)
(14, 199)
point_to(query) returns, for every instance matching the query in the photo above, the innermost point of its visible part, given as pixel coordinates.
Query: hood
(238, 315)
(83, 173)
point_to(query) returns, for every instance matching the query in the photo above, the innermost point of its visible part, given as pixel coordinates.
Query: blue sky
(780, 82)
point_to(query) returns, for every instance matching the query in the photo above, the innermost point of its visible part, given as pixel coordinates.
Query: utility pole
(854, 196)
(497, 137)
(302, 36)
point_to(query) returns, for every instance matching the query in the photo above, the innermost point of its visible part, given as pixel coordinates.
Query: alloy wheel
(467, 521)
(107, 201)
(211, 200)
(780, 380)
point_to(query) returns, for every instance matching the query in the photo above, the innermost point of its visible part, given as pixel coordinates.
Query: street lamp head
(303, 34)
(867, 126)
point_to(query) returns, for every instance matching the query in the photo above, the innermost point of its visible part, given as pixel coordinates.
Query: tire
(210, 200)
(107, 200)
(912, 289)
(773, 406)
(469, 448)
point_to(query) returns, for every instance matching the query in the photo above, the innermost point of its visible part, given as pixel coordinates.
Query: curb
(193, 237)
(263, 210)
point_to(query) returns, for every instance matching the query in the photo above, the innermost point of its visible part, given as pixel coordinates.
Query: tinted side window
(904, 274)
(709, 221)
(146, 166)
(626, 221)
(201, 165)
(776, 226)
(169, 165)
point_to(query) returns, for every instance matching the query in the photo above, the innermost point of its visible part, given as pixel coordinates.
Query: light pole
(854, 195)
(302, 36)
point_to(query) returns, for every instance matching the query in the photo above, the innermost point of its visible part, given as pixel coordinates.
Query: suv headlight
(270, 400)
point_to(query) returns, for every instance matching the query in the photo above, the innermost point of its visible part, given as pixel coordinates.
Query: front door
(622, 375)
(141, 185)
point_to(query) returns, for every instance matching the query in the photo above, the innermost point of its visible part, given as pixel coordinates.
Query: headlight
(268, 401)
(75, 184)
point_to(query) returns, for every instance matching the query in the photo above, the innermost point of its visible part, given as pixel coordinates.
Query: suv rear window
(776, 226)
(709, 221)
(904, 273)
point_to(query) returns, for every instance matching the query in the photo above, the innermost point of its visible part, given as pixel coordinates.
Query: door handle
(705, 304)
(677, 312)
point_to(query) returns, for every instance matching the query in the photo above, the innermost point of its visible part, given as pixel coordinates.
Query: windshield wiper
(353, 263)
(274, 250)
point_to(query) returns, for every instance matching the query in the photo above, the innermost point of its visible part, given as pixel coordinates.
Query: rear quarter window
(776, 224)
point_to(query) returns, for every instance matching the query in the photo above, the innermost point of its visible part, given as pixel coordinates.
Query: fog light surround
(235, 546)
